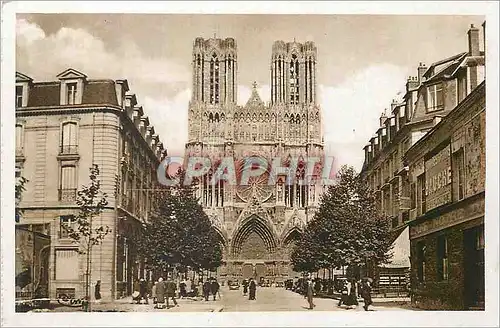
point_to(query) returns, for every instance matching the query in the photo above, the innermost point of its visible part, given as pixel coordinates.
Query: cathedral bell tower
(293, 73)
(214, 71)
(214, 90)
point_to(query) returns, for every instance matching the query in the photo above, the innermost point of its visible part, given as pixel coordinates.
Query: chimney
(394, 103)
(411, 83)
(383, 117)
(421, 70)
(473, 41)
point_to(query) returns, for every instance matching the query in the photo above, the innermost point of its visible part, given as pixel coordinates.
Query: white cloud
(170, 119)
(352, 109)
(77, 48)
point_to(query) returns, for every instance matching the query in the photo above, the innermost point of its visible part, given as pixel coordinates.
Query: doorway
(474, 268)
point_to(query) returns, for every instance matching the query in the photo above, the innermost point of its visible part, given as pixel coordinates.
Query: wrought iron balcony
(68, 150)
(67, 195)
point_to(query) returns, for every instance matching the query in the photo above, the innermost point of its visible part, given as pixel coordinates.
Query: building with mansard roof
(432, 95)
(63, 127)
(258, 224)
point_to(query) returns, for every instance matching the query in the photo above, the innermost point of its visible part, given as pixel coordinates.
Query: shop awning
(400, 251)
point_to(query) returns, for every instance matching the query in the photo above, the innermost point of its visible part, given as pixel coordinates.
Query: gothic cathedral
(258, 223)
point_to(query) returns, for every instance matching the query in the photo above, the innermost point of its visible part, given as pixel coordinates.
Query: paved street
(279, 299)
(267, 299)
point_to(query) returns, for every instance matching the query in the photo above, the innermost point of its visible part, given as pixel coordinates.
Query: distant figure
(153, 292)
(214, 287)
(170, 290)
(252, 287)
(143, 293)
(97, 291)
(182, 289)
(206, 290)
(309, 293)
(366, 290)
(160, 294)
(245, 287)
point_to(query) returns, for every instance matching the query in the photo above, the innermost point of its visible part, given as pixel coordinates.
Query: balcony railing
(67, 195)
(68, 149)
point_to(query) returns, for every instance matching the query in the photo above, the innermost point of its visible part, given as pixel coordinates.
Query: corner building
(258, 223)
(63, 127)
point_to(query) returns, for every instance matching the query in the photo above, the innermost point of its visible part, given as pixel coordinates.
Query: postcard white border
(292, 319)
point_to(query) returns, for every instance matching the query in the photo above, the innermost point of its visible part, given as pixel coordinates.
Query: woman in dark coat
(97, 291)
(245, 287)
(366, 290)
(160, 294)
(252, 288)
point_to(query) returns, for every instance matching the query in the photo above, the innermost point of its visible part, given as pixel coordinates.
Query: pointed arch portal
(254, 240)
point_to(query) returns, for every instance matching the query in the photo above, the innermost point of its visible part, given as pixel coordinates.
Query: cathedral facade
(259, 222)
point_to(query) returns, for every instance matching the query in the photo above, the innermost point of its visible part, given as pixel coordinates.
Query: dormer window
(435, 99)
(71, 93)
(72, 84)
(23, 83)
(19, 96)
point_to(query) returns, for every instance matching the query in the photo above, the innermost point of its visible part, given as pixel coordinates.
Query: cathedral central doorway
(254, 248)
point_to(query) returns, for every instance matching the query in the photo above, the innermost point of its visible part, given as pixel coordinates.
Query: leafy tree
(179, 233)
(19, 189)
(347, 230)
(91, 201)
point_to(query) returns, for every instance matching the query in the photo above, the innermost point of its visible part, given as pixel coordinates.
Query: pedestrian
(352, 297)
(97, 291)
(170, 291)
(344, 292)
(310, 293)
(153, 292)
(206, 289)
(366, 290)
(143, 294)
(182, 288)
(245, 287)
(252, 287)
(160, 294)
(214, 287)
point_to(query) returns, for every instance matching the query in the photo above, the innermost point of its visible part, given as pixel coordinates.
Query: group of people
(250, 288)
(211, 286)
(350, 292)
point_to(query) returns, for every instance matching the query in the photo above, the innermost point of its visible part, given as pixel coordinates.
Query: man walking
(309, 293)
(215, 287)
(170, 289)
(206, 289)
(252, 287)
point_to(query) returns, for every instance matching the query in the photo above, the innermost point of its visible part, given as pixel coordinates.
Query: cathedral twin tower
(215, 66)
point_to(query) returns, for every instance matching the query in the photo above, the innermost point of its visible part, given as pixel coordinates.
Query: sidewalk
(127, 305)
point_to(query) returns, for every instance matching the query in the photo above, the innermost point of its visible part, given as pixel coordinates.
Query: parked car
(233, 285)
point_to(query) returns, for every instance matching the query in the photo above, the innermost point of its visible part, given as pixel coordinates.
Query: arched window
(294, 80)
(214, 80)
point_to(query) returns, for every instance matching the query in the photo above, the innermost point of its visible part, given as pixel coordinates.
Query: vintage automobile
(233, 285)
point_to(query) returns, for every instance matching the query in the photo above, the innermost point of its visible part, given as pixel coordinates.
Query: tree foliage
(179, 233)
(19, 189)
(91, 201)
(347, 230)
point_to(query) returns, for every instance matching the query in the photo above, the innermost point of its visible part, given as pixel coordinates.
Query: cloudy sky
(363, 60)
